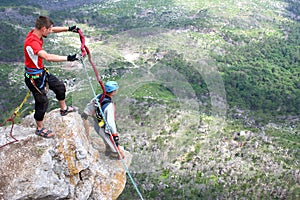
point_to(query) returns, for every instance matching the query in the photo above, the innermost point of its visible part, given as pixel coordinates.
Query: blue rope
(109, 130)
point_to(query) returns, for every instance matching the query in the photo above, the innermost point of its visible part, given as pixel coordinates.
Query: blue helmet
(111, 86)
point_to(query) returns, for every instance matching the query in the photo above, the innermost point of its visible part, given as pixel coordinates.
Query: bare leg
(39, 124)
(62, 105)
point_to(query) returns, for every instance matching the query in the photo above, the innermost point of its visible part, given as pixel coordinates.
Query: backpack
(104, 103)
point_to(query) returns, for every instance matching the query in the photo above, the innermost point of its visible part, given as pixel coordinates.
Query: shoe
(44, 133)
(65, 112)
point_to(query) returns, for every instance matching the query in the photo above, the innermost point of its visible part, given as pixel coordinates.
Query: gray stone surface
(70, 166)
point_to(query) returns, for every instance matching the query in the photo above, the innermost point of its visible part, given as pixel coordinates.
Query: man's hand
(73, 57)
(74, 29)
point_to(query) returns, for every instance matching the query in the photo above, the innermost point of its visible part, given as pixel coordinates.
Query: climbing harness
(11, 119)
(85, 50)
(104, 103)
(33, 73)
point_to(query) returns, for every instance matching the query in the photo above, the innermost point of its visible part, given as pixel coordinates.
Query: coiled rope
(84, 51)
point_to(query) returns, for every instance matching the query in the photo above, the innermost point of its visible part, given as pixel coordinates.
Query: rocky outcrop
(70, 166)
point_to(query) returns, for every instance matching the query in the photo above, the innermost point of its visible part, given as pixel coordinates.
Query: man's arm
(52, 57)
(110, 117)
(56, 58)
(58, 29)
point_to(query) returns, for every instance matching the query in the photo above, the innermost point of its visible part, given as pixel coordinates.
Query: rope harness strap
(34, 73)
(84, 51)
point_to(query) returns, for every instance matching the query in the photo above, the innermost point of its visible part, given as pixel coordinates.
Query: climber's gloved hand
(73, 57)
(74, 29)
(116, 139)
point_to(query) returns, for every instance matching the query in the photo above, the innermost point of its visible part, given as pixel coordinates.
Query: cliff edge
(69, 166)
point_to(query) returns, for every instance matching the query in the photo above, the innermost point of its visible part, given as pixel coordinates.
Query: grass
(153, 91)
(288, 141)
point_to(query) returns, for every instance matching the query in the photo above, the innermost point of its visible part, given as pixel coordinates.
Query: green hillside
(254, 45)
(209, 99)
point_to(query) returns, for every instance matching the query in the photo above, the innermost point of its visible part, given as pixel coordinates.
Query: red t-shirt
(32, 46)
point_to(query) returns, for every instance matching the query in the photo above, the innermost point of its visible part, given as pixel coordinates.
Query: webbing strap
(32, 73)
(85, 50)
(33, 70)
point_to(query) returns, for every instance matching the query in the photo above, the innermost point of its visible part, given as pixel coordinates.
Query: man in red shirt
(37, 77)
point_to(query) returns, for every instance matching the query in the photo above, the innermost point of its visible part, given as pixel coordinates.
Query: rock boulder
(69, 166)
